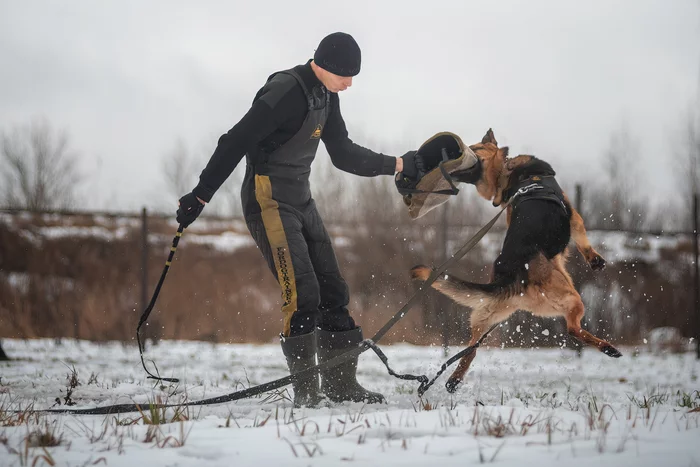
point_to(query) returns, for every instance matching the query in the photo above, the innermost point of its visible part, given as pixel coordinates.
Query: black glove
(190, 208)
(413, 165)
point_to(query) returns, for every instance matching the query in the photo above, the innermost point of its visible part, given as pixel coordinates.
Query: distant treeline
(80, 276)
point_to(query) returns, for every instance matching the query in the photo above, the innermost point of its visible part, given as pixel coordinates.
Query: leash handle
(146, 313)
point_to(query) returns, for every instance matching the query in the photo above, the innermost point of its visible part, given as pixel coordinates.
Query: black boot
(339, 383)
(300, 352)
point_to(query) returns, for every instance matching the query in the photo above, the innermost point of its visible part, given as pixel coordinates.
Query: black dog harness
(537, 187)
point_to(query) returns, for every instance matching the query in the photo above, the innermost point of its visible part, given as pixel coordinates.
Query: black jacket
(277, 113)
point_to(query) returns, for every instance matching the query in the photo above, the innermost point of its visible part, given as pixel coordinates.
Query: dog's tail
(469, 293)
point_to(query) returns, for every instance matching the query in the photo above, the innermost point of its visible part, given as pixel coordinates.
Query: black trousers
(298, 251)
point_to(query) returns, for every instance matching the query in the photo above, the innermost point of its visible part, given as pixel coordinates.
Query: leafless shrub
(39, 169)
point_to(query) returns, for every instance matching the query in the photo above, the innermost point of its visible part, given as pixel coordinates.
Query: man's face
(336, 83)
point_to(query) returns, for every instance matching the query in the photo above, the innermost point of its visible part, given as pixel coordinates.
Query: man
(279, 136)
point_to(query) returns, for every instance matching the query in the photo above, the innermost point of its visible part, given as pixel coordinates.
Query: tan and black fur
(530, 273)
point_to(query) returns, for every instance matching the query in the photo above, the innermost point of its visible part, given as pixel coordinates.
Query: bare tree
(618, 204)
(179, 169)
(688, 168)
(38, 167)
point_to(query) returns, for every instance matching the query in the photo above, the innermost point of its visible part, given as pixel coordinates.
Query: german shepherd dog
(530, 272)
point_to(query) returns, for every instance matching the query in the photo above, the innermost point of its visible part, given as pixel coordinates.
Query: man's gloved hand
(190, 208)
(413, 165)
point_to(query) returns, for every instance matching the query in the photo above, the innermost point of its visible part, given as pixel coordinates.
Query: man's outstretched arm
(351, 157)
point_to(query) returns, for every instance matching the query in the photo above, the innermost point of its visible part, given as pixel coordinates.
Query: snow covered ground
(519, 407)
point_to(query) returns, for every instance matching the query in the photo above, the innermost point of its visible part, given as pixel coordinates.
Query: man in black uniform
(279, 136)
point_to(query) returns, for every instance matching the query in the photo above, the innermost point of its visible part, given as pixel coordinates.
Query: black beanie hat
(339, 54)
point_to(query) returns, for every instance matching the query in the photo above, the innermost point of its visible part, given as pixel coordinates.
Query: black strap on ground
(278, 383)
(425, 383)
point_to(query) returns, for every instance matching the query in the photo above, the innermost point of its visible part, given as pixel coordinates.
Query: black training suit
(279, 137)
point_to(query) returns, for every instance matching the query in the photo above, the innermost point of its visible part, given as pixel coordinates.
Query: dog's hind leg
(563, 299)
(573, 324)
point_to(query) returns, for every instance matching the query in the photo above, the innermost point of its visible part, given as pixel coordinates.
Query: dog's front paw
(451, 385)
(597, 263)
(420, 272)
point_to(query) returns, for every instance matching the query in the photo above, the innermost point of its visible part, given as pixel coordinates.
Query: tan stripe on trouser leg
(280, 249)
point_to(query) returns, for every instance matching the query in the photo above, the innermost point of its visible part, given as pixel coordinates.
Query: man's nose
(348, 81)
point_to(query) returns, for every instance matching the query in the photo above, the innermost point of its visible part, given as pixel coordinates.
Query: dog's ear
(489, 138)
(504, 152)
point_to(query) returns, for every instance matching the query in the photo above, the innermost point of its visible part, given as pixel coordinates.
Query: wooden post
(696, 276)
(144, 258)
(579, 199)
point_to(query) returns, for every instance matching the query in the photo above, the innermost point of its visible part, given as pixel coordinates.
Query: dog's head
(492, 159)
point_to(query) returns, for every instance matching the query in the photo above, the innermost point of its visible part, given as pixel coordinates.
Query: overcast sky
(126, 79)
